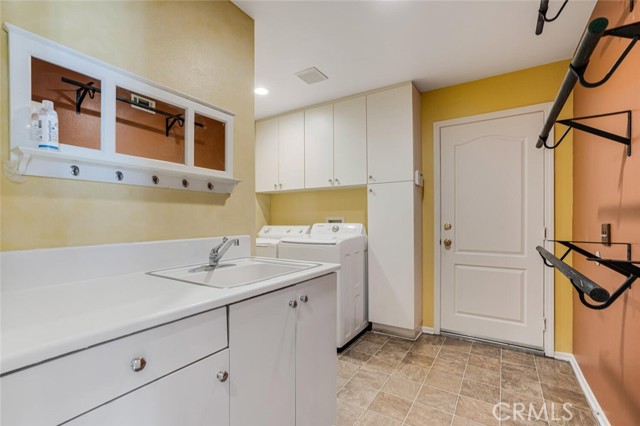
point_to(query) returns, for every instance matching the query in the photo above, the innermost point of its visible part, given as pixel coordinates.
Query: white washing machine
(269, 237)
(345, 244)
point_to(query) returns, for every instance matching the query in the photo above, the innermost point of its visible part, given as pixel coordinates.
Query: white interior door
(492, 195)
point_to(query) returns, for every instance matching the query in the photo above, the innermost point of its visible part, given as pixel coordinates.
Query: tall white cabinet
(394, 210)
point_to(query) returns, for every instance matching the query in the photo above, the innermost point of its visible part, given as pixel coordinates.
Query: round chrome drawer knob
(138, 364)
(222, 376)
(304, 298)
(293, 303)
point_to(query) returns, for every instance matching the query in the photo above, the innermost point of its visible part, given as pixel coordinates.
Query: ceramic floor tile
(382, 364)
(574, 417)
(437, 398)
(418, 359)
(512, 398)
(366, 347)
(559, 380)
(485, 350)
(550, 364)
(480, 391)
(477, 411)
(391, 353)
(461, 421)
(355, 357)
(562, 396)
(401, 388)
(400, 345)
(457, 345)
(375, 338)
(447, 382)
(515, 357)
(517, 372)
(347, 369)
(347, 413)
(425, 349)
(369, 418)
(340, 382)
(450, 355)
(447, 366)
(410, 372)
(390, 406)
(481, 375)
(357, 394)
(430, 339)
(423, 416)
(526, 389)
(370, 378)
(481, 361)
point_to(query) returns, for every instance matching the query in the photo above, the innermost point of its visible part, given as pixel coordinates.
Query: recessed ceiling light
(261, 91)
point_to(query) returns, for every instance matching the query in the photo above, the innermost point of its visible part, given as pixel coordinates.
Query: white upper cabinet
(350, 142)
(280, 153)
(390, 135)
(318, 147)
(267, 156)
(291, 151)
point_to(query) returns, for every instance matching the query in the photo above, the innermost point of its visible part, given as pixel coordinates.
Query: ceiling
(365, 45)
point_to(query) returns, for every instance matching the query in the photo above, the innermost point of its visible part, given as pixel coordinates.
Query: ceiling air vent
(311, 75)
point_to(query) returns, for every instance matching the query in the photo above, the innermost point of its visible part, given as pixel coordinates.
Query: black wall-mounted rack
(89, 89)
(595, 31)
(583, 284)
(542, 14)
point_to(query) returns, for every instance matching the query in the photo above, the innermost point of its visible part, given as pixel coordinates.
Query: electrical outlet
(605, 234)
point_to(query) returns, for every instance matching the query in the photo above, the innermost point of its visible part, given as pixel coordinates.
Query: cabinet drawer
(190, 396)
(58, 390)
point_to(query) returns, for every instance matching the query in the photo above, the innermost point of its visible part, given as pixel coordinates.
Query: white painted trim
(428, 330)
(549, 179)
(588, 393)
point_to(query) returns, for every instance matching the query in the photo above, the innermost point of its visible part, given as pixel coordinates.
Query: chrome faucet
(218, 251)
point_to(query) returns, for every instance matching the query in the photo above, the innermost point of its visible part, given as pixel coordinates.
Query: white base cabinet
(283, 359)
(192, 396)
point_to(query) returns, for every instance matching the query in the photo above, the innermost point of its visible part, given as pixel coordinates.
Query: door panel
(492, 194)
(266, 155)
(350, 141)
(291, 151)
(318, 147)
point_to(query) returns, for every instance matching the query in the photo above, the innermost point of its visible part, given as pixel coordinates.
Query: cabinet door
(190, 396)
(267, 156)
(291, 151)
(316, 352)
(262, 348)
(392, 278)
(318, 147)
(390, 135)
(350, 142)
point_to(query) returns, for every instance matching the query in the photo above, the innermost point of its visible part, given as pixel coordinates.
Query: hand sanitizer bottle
(45, 129)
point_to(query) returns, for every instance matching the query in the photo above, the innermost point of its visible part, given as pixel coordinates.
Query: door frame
(549, 215)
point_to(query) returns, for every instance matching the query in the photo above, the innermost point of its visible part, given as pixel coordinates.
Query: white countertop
(44, 322)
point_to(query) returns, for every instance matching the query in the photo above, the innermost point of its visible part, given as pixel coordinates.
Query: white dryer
(269, 237)
(345, 244)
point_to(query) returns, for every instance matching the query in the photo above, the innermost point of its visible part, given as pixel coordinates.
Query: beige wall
(202, 48)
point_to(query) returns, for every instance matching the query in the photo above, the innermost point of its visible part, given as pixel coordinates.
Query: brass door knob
(447, 243)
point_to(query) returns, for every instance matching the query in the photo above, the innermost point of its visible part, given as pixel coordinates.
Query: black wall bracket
(90, 89)
(573, 123)
(583, 284)
(542, 14)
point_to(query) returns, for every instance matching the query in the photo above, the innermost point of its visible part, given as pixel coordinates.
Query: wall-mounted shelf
(583, 284)
(123, 147)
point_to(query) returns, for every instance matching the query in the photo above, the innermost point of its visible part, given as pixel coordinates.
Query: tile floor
(438, 381)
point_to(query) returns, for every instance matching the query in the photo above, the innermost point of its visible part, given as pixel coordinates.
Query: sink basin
(233, 273)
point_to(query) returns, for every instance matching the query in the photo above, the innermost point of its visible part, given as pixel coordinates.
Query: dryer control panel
(337, 229)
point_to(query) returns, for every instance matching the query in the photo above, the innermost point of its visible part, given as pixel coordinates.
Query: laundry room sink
(233, 273)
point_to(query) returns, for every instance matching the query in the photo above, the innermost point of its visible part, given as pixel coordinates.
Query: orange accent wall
(607, 190)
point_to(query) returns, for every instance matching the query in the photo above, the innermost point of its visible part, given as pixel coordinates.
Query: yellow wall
(202, 48)
(304, 208)
(517, 89)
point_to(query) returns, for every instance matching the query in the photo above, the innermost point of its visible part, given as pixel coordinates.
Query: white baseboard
(588, 393)
(428, 330)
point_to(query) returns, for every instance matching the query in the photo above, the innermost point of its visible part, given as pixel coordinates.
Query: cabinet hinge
(544, 324)
(545, 233)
